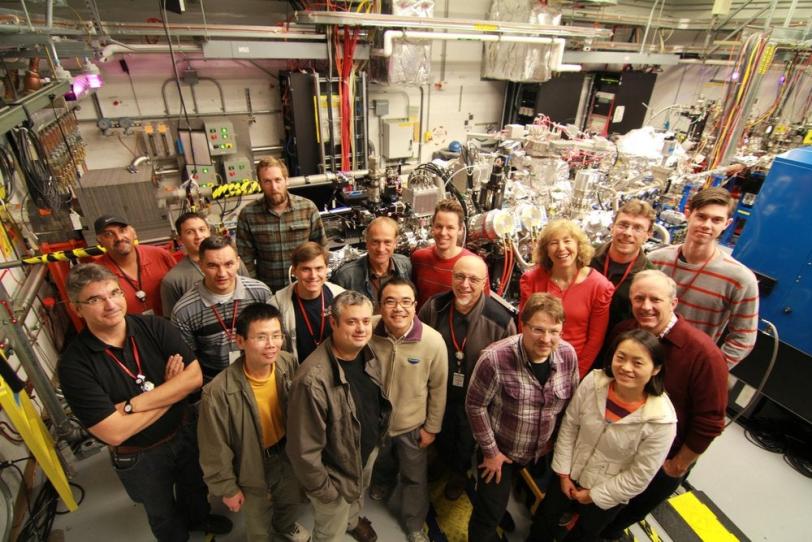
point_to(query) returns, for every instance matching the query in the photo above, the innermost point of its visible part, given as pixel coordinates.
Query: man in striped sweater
(715, 291)
(207, 314)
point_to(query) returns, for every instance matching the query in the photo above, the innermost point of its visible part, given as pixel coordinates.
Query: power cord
(7, 171)
(162, 7)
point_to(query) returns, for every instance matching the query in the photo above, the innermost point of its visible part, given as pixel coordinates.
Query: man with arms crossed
(126, 378)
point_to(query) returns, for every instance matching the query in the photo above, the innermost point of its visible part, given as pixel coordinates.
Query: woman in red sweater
(562, 269)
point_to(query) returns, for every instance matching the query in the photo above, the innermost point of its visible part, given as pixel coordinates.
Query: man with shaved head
(469, 320)
(696, 382)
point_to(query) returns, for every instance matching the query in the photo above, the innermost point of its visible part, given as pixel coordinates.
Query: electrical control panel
(237, 168)
(202, 174)
(220, 135)
(397, 138)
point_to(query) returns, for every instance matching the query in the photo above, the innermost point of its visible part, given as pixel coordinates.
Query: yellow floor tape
(701, 519)
(452, 516)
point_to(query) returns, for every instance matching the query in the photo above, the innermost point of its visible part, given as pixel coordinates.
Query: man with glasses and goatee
(469, 320)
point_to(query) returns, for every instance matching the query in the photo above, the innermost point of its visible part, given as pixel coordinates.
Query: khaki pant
(331, 520)
(274, 511)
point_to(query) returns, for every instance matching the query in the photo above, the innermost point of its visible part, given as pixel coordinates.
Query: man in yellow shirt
(247, 467)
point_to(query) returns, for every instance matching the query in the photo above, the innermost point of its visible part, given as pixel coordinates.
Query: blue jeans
(168, 481)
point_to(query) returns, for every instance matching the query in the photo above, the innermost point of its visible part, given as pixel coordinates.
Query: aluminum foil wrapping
(520, 62)
(410, 63)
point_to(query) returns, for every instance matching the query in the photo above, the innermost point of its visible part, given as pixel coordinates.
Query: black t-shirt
(541, 371)
(367, 398)
(461, 324)
(305, 341)
(616, 270)
(93, 383)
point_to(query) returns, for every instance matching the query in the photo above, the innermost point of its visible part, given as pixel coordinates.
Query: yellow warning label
(701, 519)
(486, 27)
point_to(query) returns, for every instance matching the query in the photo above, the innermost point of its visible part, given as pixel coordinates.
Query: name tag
(458, 380)
(233, 356)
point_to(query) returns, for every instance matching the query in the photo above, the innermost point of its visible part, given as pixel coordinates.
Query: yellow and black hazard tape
(245, 187)
(58, 256)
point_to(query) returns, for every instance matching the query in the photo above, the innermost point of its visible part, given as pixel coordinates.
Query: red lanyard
(696, 273)
(307, 320)
(626, 274)
(457, 347)
(229, 332)
(135, 285)
(124, 367)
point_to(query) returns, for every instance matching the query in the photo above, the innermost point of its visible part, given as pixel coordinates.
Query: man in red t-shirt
(432, 266)
(139, 268)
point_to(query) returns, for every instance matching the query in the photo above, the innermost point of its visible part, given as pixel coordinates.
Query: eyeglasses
(99, 299)
(636, 228)
(391, 303)
(473, 279)
(263, 338)
(539, 331)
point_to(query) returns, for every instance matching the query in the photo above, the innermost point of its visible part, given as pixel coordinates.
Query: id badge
(458, 380)
(233, 356)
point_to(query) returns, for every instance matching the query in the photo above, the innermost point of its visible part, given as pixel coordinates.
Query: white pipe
(790, 13)
(558, 43)
(115, 48)
(390, 35)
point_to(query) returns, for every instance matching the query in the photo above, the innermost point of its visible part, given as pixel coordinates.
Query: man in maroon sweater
(695, 379)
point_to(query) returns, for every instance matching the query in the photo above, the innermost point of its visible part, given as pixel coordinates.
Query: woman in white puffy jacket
(615, 435)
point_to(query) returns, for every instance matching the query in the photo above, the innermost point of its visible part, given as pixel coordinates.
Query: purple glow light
(94, 80)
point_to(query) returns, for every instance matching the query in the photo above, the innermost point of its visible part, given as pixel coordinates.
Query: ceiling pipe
(558, 44)
(119, 48)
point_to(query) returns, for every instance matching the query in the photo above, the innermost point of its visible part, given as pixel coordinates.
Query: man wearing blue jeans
(126, 378)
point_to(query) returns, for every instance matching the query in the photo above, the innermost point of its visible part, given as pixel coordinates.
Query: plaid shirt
(266, 239)
(509, 411)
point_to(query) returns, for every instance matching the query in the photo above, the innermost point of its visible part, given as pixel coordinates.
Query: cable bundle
(755, 57)
(7, 171)
(41, 184)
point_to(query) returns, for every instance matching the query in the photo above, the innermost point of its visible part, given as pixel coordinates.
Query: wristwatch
(128, 407)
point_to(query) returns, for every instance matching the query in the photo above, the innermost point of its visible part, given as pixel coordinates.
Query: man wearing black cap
(139, 268)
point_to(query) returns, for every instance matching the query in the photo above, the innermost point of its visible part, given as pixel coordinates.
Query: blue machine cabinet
(776, 243)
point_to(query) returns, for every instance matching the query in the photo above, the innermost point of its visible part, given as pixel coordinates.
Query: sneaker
(377, 493)
(455, 487)
(214, 524)
(363, 532)
(297, 534)
(417, 536)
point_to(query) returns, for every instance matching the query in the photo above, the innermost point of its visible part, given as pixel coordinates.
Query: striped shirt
(509, 411)
(723, 295)
(205, 320)
(616, 408)
(266, 239)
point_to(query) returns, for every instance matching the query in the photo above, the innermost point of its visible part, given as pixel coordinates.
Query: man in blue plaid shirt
(270, 228)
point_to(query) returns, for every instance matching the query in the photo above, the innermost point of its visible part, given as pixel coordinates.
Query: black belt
(276, 448)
